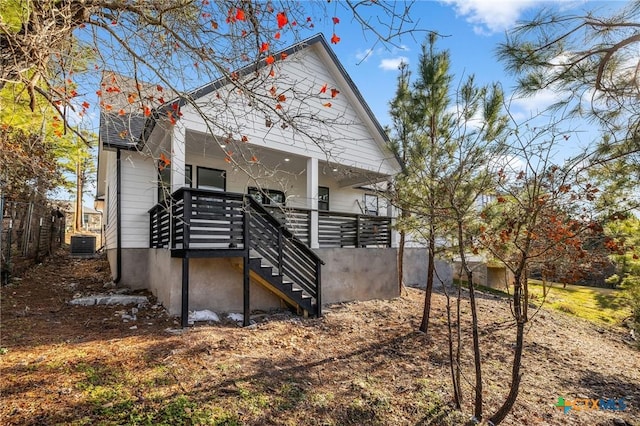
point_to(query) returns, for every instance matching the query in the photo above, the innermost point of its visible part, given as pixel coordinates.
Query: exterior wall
(415, 269)
(354, 140)
(358, 274)
(214, 284)
(138, 192)
(135, 267)
(110, 218)
(349, 274)
(487, 275)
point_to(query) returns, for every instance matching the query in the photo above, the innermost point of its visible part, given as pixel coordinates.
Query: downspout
(116, 280)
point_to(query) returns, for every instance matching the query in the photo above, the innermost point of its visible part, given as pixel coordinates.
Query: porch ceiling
(247, 154)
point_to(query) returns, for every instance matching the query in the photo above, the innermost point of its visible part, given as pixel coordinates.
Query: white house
(225, 200)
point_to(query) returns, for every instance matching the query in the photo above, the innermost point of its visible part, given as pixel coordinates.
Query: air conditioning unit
(83, 245)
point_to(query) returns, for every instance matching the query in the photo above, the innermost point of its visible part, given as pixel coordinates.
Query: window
(323, 198)
(164, 183)
(212, 179)
(371, 204)
(267, 197)
(187, 175)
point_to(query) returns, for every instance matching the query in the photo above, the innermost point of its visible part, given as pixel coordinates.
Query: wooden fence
(29, 232)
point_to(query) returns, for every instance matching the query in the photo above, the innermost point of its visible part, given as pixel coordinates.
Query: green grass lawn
(600, 305)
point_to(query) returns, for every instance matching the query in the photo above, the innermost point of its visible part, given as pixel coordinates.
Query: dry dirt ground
(362, 363)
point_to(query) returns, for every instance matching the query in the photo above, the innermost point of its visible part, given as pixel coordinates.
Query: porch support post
(184, 314)
(392, 212)
(246, 283)
(312, 197)
(177, 156)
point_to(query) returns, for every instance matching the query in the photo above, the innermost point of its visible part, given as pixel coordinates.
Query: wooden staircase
(268, 277)
(205, 224)
(280, 262)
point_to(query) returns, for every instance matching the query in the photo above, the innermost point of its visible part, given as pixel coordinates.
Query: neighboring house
(263, 215)
(91, 219)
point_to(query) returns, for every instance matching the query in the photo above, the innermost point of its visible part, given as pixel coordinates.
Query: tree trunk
(454, 366)
(78, 216)
(506, 407)
(520, 314)
(401, 262)
(424, 325)
(477, 359)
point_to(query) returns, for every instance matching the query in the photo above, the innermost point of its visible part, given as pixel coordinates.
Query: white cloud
(533, 105)
(393, 64)
(363, 56)
(491, 16)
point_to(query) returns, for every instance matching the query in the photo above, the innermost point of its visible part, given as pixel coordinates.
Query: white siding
(109, 157)
(342, 134)
(138, 194)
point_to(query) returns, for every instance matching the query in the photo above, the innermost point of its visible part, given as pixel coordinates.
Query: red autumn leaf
(244, 33)
(273, 91)
(269, 60)
(240, 15)
(278, 106)
(308, 18)
(85, 104)
(335, 39)
(174, 107)
(283, 56)
(161, 99)
(282, 19)
(99, 92)
(323, 89)
(227, 159)
(254, 159)
(164, 160)
(245, 138)
(282, 98)
(121, 112)
(264, 47)
(214, 24)
(335, 20)
(277, 36)
(147, 111)
(159, 88)
(272, 73)
(334, 92)
(328, 105)
(131, 98)
(108, 107)
(501, 199)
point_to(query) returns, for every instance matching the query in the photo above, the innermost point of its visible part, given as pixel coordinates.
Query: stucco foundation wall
(135, 267)
(358, 274)
(214, 284)
(415, 269)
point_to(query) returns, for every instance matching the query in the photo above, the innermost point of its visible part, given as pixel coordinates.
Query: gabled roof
(121, 131)
(137, 129)
(221, 82)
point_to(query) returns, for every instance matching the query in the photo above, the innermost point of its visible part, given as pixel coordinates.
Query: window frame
(369, 212)
(223, 174)
(320, 202)
(262, 192)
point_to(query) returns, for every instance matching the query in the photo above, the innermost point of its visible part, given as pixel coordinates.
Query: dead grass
(361, 364)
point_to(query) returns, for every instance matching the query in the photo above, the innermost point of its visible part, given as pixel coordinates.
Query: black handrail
(286, 232)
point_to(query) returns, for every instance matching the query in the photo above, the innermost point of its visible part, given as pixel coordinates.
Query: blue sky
(471, 30)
